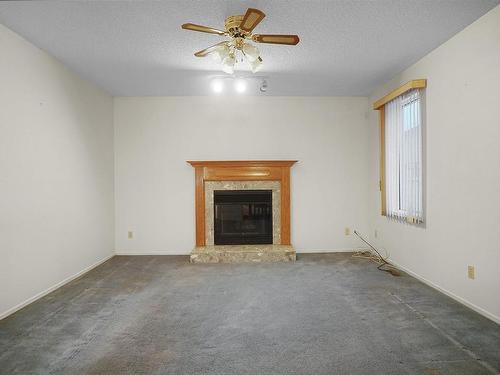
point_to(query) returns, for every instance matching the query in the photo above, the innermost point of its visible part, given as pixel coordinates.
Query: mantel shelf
(242, 163)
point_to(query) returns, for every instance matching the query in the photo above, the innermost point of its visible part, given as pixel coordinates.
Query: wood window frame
(379, 105)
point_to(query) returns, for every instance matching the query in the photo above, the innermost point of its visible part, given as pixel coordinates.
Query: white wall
(56, 173)
(56, 163)
(463, 170)
(155, 186)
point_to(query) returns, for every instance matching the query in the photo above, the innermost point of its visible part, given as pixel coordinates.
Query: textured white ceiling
(137, 48)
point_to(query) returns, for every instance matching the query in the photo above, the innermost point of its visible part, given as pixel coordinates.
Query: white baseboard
(135, 253)
(463, 301)
(312, 251)
(54, 287)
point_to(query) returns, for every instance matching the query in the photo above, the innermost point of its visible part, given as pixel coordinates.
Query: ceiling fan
(239, 29)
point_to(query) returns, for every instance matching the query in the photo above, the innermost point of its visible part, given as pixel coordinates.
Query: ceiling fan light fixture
(239, 28)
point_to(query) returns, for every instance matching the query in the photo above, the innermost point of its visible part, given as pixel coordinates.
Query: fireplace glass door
(243, 217)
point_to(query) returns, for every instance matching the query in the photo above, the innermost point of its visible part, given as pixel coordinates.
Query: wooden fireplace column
(242, 170)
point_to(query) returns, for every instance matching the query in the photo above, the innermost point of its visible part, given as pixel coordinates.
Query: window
(401, 179)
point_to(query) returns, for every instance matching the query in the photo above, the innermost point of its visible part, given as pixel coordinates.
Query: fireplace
(243, 217)
(242, 211)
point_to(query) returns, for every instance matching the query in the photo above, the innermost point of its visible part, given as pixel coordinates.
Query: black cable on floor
(392, 270)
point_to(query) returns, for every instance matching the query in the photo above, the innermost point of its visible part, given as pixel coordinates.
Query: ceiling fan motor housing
(232, 26)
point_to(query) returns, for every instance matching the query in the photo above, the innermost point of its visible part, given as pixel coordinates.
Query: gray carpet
(324, 314)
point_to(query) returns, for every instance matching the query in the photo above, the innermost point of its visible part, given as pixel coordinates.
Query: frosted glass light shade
(228, 64)
(251, 52)
(255, 65)
(216, 56)
(220, 53)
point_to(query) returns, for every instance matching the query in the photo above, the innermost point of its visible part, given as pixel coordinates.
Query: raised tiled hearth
(272, 175)
(243, 254)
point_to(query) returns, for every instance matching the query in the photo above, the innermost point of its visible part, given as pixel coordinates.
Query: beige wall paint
(56, 179)
(155, 186)
(462, 170)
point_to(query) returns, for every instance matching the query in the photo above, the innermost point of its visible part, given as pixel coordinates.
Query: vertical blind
(403, 157)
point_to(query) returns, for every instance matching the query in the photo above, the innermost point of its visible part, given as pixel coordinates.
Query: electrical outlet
(375, 233)
(347, 231)
(471, 272)
(130, 235)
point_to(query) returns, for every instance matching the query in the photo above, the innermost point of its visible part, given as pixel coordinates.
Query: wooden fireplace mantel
(242, 170)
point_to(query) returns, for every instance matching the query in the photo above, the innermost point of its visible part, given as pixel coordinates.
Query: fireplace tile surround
(211, 186)
(271, 175)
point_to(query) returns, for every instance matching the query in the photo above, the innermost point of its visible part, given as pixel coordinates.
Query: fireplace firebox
(243, 217)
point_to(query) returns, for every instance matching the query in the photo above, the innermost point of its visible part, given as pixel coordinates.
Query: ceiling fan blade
(276, 39)
(206, 51)
(251, 19)
(203, 29)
